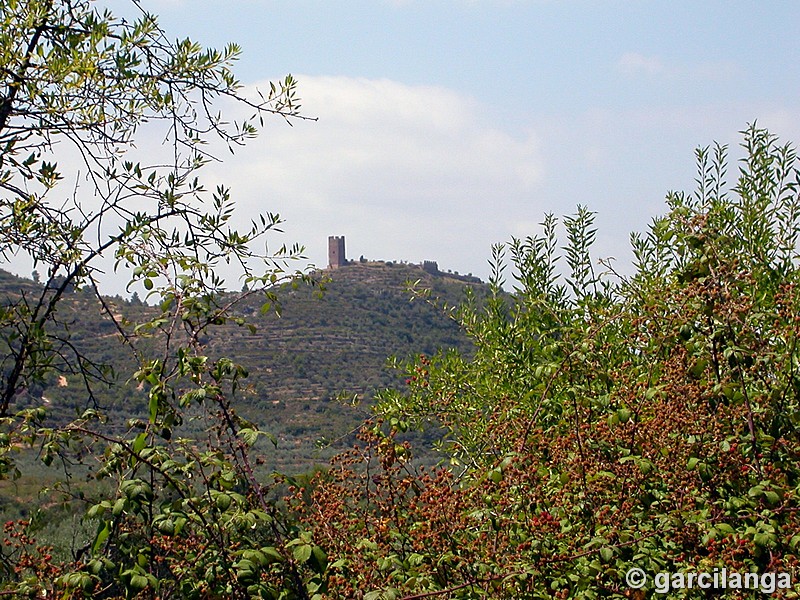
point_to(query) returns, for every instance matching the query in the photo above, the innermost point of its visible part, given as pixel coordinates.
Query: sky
(444, 127)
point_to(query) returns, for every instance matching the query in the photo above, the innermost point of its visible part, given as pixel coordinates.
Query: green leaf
(302, 553)
(153, 407)
(763, 539)
(119, 507)
(318, 560)
(724, 528)
(138, 582)
(103, 530)
(139, 442)
(249, 435)
(223, 501)
(272, 555)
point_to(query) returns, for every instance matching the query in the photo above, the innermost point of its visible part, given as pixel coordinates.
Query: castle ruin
(336, 256)
(430, 266)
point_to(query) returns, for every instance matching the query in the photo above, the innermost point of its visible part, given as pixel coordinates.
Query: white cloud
(405, 172)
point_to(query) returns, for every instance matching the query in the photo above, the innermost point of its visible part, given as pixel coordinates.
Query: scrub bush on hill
(604, 422)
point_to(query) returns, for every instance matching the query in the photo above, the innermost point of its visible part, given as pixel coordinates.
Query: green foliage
(173, 517)
(603, 422)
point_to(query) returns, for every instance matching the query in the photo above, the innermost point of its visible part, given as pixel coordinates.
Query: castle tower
(336, 256)
(430, 266)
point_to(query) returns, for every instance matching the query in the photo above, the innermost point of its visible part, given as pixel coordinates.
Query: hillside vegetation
(307, 366)
(312, 371)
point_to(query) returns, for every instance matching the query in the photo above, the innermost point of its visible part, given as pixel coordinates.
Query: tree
(78, 77)
(81, 85)
(604, 423)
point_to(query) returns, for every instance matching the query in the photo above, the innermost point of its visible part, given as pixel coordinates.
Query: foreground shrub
(604, 423)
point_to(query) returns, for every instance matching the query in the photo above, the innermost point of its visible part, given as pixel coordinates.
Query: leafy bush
(604, 422)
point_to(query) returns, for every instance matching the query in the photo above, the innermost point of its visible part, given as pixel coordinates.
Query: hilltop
(301, 364)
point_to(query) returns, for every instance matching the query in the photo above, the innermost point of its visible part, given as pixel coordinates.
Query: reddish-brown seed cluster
(668, 460)
(29, 560)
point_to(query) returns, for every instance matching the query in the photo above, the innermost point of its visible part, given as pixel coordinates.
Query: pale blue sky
(446, 126)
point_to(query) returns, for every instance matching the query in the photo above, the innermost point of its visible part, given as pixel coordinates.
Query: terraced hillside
(301, 364)
(320, 352)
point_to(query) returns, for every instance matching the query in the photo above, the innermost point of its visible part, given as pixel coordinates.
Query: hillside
(300, 364)
(322, 349)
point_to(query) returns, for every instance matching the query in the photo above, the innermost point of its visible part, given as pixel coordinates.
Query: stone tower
(430, 266)
(336, 256)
